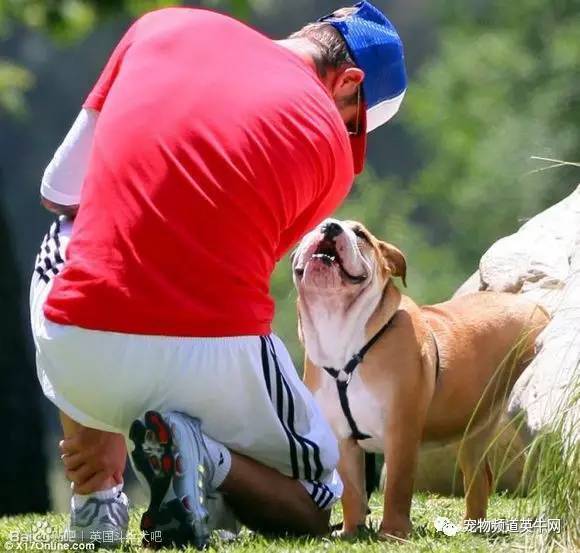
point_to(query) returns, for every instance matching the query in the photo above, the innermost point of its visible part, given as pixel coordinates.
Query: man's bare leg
(267, 501)
(94, 460)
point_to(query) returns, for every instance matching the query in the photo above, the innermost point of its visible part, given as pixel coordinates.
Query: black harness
(349, 368)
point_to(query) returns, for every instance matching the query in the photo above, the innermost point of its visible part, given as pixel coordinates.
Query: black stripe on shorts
(279, 409)
(303, 441)
(321, 494)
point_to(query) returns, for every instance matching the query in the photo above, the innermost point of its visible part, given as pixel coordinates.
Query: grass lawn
(425, 537)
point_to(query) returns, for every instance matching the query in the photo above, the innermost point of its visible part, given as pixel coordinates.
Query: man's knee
(320, 522)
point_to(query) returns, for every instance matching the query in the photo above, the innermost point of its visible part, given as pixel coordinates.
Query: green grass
(552, 491)
(553, 469)
(425, 537)
(552, 474)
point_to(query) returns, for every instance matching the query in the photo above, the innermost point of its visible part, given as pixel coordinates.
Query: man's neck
(303, 48)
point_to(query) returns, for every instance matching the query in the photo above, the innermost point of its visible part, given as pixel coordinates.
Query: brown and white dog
(390, 375)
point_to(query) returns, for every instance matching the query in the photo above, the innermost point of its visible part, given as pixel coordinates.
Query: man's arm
(63, 178)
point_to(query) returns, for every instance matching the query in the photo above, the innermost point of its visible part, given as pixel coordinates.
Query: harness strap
(341, 386)
(357, 358)
(349, 368)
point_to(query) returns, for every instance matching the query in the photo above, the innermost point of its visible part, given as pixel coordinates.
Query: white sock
(221, 459)
(79, 500)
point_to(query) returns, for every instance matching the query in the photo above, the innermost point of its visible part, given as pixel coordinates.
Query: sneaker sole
(177, 525)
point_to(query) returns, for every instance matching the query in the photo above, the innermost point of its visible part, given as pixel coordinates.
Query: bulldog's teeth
(324, 257)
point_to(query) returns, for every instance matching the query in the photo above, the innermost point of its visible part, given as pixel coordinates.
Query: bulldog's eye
(361, 234)
(299, 271)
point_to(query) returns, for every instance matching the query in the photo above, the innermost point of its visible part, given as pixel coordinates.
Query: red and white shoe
(171, 455)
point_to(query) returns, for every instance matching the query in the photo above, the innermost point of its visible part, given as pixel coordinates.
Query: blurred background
(492, 83)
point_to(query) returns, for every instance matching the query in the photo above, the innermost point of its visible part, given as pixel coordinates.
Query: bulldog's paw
(395, 529)
(350, 533)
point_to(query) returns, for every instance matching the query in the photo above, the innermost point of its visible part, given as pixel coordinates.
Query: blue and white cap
(377, 49)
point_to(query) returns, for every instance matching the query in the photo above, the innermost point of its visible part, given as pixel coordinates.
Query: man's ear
(347, 82)
(395, 260)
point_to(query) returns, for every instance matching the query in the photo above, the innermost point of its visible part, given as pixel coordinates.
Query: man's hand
(94, 460)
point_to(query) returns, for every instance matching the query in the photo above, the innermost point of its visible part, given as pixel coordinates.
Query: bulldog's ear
(396, 260)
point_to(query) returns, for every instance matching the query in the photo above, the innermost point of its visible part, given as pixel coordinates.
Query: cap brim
(384, 111)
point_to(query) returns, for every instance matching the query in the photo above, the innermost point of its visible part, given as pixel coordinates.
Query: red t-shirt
(215, 150)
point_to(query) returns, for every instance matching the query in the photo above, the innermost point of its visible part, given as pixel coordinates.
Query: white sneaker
(98, 520)
(171, 455)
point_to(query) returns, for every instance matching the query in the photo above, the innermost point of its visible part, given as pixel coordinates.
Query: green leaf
(14, 82)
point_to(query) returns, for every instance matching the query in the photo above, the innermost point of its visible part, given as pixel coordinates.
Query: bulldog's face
(342, 258)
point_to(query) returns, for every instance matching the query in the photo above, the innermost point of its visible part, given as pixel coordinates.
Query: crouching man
(204, 151)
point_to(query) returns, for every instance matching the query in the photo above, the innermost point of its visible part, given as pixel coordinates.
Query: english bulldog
(391, 376)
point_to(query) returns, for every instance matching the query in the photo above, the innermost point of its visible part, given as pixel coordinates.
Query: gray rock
(545, 267)
(472, 284)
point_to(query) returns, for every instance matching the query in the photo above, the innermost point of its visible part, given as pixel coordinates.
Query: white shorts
(244, 389)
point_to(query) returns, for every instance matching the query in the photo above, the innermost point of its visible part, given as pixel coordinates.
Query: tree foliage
(503, 87)
(66, 21)
(14, 80)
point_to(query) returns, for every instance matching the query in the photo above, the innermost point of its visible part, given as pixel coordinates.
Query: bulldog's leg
(401, 442)
(351, 468)
(477, 475)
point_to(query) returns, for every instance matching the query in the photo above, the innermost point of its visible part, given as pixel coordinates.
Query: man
(205, 151)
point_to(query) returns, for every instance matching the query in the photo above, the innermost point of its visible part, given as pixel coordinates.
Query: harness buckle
(349, 369)
(343, 383)
(348, 378)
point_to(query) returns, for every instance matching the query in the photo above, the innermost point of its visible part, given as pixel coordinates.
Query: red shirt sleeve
(98, 94)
